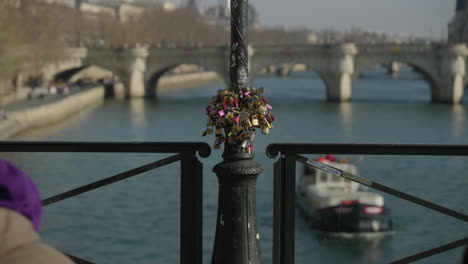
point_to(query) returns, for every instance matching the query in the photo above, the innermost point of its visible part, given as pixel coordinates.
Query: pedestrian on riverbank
(20, 216)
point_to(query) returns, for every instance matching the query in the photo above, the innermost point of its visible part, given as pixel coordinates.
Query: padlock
(245, 144)
(265, 130)
(219, 132)
(237, 128)
(244, 116)
(248, 151)
(254, 121)
(222, 93)
(248, 123)
(262, 110)
(217, 146)
(207, 131)
(252, 136)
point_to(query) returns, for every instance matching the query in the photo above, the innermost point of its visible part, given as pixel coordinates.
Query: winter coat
(21, 244)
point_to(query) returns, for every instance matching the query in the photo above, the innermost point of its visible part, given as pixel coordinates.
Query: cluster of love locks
(234, 115)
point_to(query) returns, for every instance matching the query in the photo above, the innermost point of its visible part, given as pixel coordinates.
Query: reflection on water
(458, 119)
(137, 116)
(346, 115)
(369, 250)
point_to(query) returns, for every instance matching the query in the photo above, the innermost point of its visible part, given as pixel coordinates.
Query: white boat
(337, 205)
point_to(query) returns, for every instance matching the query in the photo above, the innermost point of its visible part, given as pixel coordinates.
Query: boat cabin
(321, 179)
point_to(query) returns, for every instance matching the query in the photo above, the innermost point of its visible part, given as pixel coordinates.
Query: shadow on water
(370, 249)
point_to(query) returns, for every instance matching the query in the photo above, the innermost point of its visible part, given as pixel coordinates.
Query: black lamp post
(237, 239)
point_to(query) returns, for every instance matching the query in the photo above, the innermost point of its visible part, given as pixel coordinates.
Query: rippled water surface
(137, 220)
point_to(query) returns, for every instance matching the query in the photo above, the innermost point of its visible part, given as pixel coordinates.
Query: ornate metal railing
(285, 187)
(191, 173)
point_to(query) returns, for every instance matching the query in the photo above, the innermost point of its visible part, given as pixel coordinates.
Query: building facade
(221, 14)
(458, 27)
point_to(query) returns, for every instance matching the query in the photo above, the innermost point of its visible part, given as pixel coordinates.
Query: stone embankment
(51, 112)
(173, 83)
(41, 112)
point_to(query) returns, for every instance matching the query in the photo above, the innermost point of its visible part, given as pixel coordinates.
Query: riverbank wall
(49, 113)
(174, 83)
(52, 112)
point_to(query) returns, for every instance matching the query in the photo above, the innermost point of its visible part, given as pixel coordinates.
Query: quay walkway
(39, 111)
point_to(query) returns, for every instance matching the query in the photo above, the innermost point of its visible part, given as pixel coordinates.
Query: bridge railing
(285, 188)
(191, 173)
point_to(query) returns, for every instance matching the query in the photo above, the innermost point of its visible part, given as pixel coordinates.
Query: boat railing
(285, 187)
(191, 173)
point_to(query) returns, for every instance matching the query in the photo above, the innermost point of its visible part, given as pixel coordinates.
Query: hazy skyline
(404, 17)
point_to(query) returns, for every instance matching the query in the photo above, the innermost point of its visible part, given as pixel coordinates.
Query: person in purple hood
(20, 217)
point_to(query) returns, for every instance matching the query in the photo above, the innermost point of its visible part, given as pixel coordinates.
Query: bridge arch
(66, 75)
(155, 83)
(95, 73)
(92, 74)
(425, 71)
(314, 66)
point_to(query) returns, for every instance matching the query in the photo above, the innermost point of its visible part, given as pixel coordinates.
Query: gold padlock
(219, 132)
(244, 116)
(265, 130)
(222, 92)
(254, 121)
(262, 110)
(247, 150)
(238, 128)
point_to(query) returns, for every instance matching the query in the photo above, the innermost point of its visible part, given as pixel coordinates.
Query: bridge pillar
(136, 72)
(449, 86)
(393, 68)
(339, 76)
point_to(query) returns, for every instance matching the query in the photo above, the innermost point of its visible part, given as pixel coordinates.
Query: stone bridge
(443, 67)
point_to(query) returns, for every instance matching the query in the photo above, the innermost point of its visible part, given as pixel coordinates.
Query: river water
(137, 220)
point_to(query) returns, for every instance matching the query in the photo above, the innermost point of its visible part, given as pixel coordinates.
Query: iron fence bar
(191, 211)
(391, 191)
(432, 252)
(77, 260)
(370, 149)
(112, 179)
(284, 196)
(203, 149)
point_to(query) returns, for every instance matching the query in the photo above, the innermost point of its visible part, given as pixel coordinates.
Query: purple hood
(19, 193)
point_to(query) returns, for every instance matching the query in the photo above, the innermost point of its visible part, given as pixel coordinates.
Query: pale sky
(405, 17)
